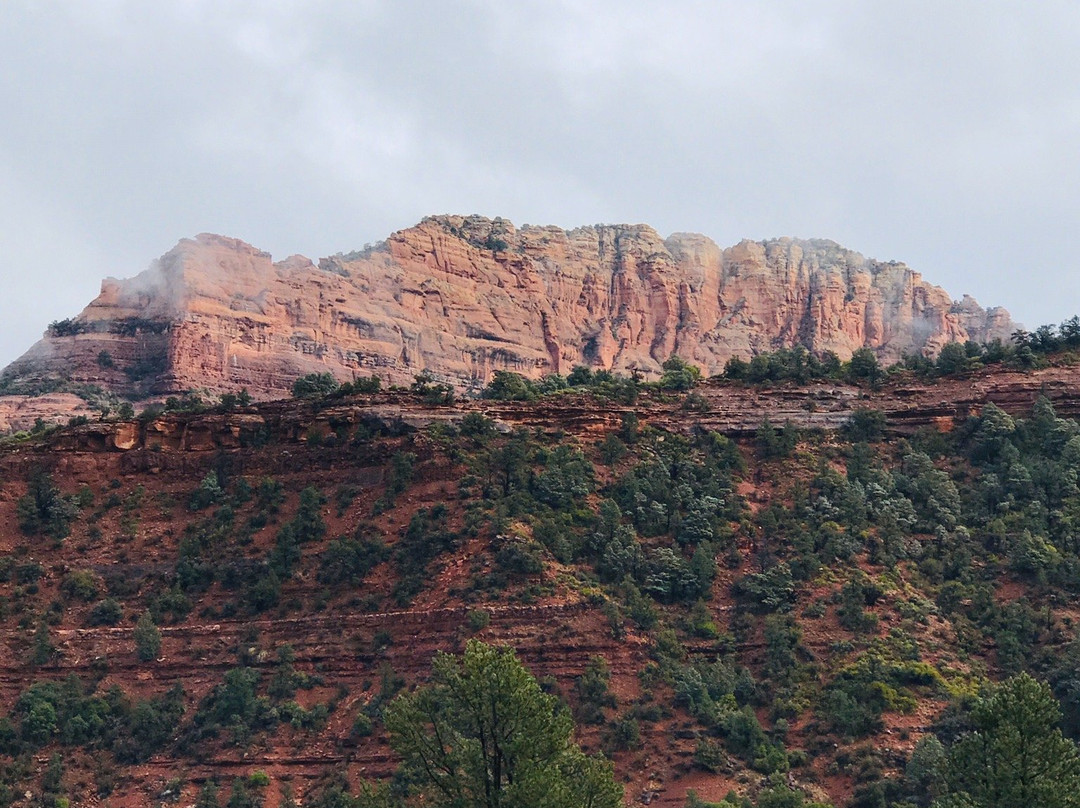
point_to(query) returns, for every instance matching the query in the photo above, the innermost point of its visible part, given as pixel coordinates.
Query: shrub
(264, 593)
(149, 726)
(475, 425)
(80, 585)
(742, 733)
(107, 612)
(241, 797)
(43, 650)
(710, 756)
(314, 385)
(521, 557)
(479, 619)
(28, 572)
(147, 638)
(624, 733)
(775, 443)
(611, 449)
(349, 560)
(146, 367)
(432, 392)
(369, 386)
(398, 477)
(865, 425)
(507, 386)
(383, 639)
(863, 366)
(208, 493)
(593, 693)
(425, 538)
(862, 691)
(362, 727)
(771, 591)
(269, 495)
(858, 592)
(67, 327)
(44, 509)
(172, 601)
(208, 796)
(679, 375)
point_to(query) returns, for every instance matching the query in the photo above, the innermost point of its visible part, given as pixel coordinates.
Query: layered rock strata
(461, 297)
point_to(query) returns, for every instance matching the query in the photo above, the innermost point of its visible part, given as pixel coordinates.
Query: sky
(944, 135)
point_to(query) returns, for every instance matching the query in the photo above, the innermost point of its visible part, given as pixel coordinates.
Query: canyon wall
(461, 297)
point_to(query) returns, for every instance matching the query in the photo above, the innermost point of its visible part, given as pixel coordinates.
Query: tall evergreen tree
(484, 735)
(1016, 756)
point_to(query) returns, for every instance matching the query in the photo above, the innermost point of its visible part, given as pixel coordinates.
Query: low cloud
(942, 136)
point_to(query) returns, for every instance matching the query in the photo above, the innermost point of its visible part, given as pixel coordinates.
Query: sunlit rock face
(461, 297)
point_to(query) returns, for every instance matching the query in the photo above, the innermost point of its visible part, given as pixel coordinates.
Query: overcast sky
(942, 134)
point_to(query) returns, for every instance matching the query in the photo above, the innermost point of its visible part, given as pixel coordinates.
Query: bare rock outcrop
(461, 297)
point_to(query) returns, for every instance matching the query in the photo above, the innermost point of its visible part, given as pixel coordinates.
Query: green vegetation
(677, 376)
(130, 326)
(324, 385)
(314, 385)
(1014, 757)
(1025, 350)
(484, 734)
(431, 391)
(44, 509)
(146, 367)
(72, 714)
(147, 638)
(800, 609)
(67, 327)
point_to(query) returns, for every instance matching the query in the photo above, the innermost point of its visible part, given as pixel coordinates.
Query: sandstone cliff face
(461, 297)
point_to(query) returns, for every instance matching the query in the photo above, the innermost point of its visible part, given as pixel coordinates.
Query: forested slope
(797, 612)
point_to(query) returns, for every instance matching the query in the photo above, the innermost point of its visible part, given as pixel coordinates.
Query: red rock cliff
(460, 297)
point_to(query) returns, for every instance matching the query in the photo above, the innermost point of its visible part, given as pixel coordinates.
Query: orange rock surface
(461, 297)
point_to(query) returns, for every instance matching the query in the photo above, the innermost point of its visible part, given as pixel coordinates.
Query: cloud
(943, 136)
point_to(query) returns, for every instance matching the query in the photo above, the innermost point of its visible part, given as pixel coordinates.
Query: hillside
(462, 297)
(724, 604)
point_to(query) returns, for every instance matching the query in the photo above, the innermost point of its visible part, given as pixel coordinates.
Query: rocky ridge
(142, 475)
(175, 440)
(461, 297)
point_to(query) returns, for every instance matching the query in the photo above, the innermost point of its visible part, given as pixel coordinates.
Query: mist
(944, 137)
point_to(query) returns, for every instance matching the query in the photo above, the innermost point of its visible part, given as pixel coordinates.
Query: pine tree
(1016, 757)
(208, 796)
(484, 734)
(44, 650)
(147, 638)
